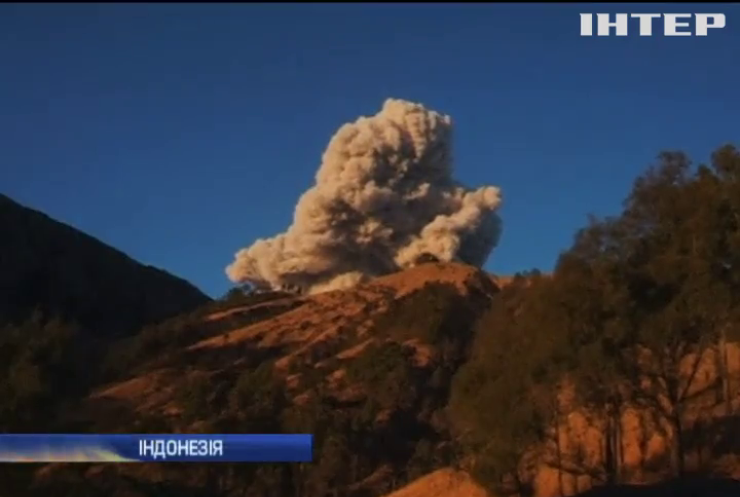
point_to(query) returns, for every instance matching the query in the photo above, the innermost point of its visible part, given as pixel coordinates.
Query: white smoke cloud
(384, 195)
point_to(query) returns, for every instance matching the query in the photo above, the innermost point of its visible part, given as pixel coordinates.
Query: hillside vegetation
(620, 368)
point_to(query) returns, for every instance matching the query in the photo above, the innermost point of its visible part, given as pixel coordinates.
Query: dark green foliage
(43, 364)
(257, 399)
(501, 399)
(427, 457)
(128, 356)
(386, 373)
(239, 296)
(196, 397)
(425, 314)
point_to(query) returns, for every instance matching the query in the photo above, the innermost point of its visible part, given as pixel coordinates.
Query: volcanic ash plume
(384, 195)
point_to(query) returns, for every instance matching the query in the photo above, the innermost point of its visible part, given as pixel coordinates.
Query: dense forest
(629, 319)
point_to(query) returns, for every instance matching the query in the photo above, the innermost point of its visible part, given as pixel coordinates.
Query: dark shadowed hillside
(60, 271)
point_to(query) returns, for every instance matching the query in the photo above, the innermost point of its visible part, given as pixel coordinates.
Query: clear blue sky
(180, 133)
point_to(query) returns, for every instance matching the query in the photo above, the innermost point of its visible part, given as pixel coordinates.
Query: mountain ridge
(61, 271)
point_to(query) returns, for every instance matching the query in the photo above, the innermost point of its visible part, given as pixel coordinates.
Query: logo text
(673, 24)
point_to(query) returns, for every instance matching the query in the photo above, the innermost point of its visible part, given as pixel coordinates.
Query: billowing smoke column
(384, 195)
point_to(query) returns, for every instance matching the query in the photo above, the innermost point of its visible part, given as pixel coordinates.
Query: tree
(42, 366)
(258, 399)
(632, 309)
(234, 295)
(330, 476)
(726, 168)
(501, 403)
(600, 331)
(661, 287)
(669, 249)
